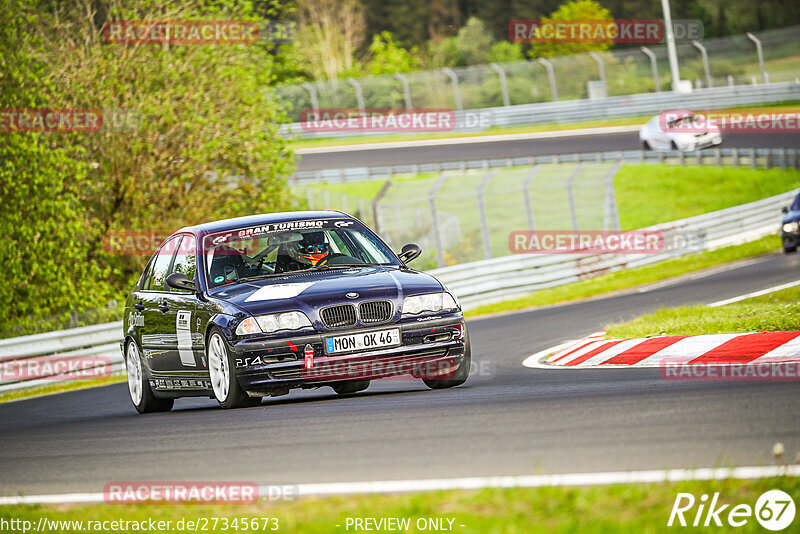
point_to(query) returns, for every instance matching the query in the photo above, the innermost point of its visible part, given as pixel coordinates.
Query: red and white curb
(596, 351)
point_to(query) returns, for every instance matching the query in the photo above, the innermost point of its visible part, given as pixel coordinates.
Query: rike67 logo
(774, 510)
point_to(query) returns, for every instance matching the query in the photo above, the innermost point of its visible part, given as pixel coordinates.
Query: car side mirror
(410, 252)
(179, 281)
(785, 209)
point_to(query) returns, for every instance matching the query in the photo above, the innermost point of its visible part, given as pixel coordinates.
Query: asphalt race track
(507, 419)
(519, 148)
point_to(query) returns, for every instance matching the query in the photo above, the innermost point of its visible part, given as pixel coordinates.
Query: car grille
(336, 316)
(376, 311)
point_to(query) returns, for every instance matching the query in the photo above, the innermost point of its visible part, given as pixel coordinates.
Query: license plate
(363, 341)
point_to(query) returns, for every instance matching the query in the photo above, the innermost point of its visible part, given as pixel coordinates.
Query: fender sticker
(279, 291)
(183, 328)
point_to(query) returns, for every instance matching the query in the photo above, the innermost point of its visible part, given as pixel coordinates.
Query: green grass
(620, 508)
(774, 312)
(368, 189)
(59, 387)
(628, 278)
(652, 194)
(550, 127)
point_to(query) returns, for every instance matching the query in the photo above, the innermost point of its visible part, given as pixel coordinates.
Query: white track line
(467, 140)
(474, 483)
(755, 294)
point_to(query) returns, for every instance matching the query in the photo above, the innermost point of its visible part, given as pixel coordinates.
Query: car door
(189, 348)
(159, 336)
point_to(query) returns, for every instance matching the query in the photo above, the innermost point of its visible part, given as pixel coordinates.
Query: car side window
(161, 265)
(145, 278)
(185, 260)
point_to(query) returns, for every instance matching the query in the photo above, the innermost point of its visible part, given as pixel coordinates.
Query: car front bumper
(790, 239)
(429, 349)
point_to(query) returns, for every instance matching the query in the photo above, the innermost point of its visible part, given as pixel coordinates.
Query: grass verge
(59, 387)
(602, 509)
(628, 278)
(774, 312)
(550, 127)
(651, 194)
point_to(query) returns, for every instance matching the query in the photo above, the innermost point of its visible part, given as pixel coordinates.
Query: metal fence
(464, 211)
(571, 111)
(734, 157)
(466, 215)
(38, 355)
(487, 281)
(731, 61)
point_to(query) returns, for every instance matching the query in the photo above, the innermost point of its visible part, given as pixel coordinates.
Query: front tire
(646, 145)
(222, 371)
(789, 250)
(138, 387)
(461, 373)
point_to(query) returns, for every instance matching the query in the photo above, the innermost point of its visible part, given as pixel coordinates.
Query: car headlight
(791, 227)
(431, 302)
(273, 322)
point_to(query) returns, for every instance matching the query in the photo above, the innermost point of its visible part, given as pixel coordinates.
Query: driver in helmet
(310, 250)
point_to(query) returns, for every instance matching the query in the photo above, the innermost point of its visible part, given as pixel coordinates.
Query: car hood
(313, 290)
(792, 215)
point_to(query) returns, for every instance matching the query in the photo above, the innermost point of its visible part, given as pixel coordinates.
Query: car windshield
(686, 120)
(796, 203)
(274, 249)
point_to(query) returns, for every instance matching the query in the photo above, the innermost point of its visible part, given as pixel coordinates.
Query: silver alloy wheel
(134, 368)
(218, 367)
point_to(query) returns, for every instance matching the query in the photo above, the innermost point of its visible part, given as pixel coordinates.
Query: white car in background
(678, 130)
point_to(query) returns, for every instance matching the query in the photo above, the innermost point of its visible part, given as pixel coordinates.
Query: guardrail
(488, 281)
(95, 347)
(571, 111)
(475, 283)
(732, 157)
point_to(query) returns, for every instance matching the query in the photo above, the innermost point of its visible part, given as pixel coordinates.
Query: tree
(575, 10)
(201, 144)
(387, 57)
(331, 32)
(470, 47)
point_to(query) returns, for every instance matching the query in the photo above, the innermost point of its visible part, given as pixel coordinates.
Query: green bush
(202, 144)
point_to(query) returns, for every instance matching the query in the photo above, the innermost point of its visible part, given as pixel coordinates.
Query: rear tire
(461, 373)
(222, 371)
(350, 387)
(141, 395)
(646, 145)
(673, 146)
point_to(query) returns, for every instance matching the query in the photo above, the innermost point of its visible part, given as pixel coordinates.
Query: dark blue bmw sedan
(245, 308)
(790, 226)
